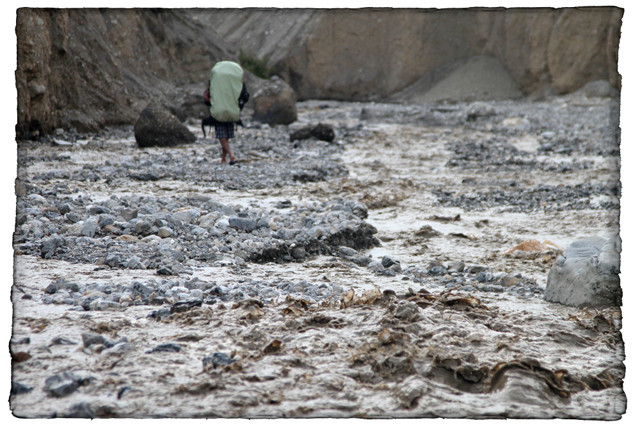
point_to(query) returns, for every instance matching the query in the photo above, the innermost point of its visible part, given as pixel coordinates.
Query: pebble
(19, 388)
(166, 348)
(65, 383)
(216, 360)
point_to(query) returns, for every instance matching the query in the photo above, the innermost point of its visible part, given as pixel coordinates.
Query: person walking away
(228, 95)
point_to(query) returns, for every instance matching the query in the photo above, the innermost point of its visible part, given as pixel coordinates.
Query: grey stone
(298, 252)
(388, 262)
(245, 224)
(52, 288)
(142, 227)
(90, 227)
(139, 289)
(587, 274)
(81, 410)
(375, 266)
(134, 263)
(89, 339)
(437, 270)
(188, 216)
(103, 305)
(166, 348)
(216, 360)
(112, 260)
(64, 384)
(19, 388)
(157, 126)
(484, 276)
(50, 245)
(456, 266)
(346, 251)
(97, 210)
(128, 214)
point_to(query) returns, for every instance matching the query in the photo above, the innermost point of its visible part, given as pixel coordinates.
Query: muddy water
(391, 347)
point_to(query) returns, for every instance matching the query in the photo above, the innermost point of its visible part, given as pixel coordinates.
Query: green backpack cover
(225, 87)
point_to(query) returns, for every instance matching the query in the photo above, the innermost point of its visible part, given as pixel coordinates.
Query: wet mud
(398, 271)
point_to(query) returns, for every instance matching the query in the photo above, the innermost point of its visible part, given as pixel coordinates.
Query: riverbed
(438, 313)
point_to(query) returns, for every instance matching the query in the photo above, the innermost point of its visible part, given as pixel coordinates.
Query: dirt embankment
(88, 68)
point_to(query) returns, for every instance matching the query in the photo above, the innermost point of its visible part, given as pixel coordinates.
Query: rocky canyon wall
(371, 54)
(87, 68)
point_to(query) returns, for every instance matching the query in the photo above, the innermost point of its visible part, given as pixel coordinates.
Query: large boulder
(587, 274)
(275, 103)
(158, 127)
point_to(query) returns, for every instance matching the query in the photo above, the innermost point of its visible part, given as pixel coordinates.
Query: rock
(275, 103)
(391, 264)
(64, 384)
(142, 227)
(245, 224)
(216, 360)
(80, 410)
(140, 289)
(587, 274)
(103, 305)
(321, 131)
(182, 306)
(437, 270)
(298, 252)
(134, 263)
(456, 266)
(128, 214)
(407, 311)
(187, 216)
(89, 339)
(375, 267)
(156, 126)
(164, 232)
(52, 288)
(50, 245)
(19, 388)
(598, 89)
(484, 276)
(165, 271)
(166, 348)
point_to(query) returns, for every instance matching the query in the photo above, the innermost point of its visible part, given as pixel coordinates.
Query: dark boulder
(320, 131)
(274, 103)
(156, 126)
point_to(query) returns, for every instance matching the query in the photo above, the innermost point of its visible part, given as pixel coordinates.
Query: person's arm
(244, 96)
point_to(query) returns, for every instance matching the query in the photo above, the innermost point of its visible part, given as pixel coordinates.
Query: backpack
(226, 78)
(225, 87)
(242, 100)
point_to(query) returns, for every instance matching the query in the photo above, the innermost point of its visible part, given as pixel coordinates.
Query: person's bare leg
(226, 149)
